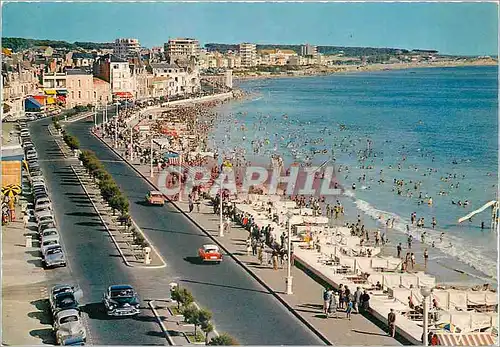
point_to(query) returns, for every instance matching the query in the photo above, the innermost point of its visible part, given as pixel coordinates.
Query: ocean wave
(461, 249)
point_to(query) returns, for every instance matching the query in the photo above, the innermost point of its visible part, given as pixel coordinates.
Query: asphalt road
(240, 305)
(93, 262)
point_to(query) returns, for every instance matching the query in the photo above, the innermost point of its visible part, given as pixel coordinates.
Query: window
(72, 95)
(79, 94)
(79, 84)
(95, 94)
(116, 66)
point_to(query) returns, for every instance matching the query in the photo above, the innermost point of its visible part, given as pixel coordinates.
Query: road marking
(162, 326)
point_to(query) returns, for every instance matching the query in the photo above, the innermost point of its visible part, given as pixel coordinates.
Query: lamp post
(289, 277)
(131, 146)
(151, 158)
(221, 225)
(95, 115)
(426, 292)
(116, 130)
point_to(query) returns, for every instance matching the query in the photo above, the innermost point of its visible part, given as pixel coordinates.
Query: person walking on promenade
(412, 259)
(327, 294)
(341, 296)
(391, 322)
(347, 296)
(249, 245)
(365, 301)
(190, 203)
(332, 307)
(348, 310)
(399, 249)
(254, 246)
(357, 299)
(426, 257)
(26, 220)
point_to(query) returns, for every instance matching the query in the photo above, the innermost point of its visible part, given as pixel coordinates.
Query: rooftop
(164, 66)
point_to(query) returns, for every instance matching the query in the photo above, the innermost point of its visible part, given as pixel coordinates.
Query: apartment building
(80, 85)
(179, 80)
(17, 83)
(117, 72)
(181, 50)
(308, 50)
(248, 54)
(125, 48)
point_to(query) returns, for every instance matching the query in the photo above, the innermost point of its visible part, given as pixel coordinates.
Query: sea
(434, 127)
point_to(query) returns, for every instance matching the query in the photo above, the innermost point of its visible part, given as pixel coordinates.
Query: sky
(450, 28)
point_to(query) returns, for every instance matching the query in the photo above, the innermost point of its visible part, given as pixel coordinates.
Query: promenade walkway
(25, 318)
(307, 297)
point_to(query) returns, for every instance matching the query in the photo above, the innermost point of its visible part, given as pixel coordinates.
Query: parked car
(68, 323)
(45, 226)
(49, 232)
(210, 253)
(46, 218)
(54, 257)
(121, 300)
(155, 198)
(43, 203)
(48, 242)
(64, 297)
(42, 211)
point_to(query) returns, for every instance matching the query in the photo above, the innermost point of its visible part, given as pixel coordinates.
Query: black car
(121, 300)
(64, 301)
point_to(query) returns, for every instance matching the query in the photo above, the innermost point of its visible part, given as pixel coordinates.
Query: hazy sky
(451, 28)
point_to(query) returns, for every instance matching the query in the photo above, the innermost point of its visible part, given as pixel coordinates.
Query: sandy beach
(363, 68)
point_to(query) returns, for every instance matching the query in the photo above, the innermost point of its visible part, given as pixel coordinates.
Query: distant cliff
(19, 44)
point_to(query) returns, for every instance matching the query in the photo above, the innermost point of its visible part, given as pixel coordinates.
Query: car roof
(51, 237)
(155, 192)
(66, 313)
(61, 286)
(210, 246)
(50, 229)
(120, 287)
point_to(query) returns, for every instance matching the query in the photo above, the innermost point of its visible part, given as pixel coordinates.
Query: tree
(223, 340)
(182, 296)
(192, 316)
(207, 329)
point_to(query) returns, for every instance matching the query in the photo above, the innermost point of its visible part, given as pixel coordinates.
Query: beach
(325, 71)
(420, 132)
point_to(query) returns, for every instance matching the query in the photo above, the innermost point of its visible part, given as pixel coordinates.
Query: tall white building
(308, 49)
(248, 54)
(181, 50)
(125, 48)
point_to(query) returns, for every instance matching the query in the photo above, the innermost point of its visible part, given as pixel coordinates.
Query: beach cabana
(470, 339)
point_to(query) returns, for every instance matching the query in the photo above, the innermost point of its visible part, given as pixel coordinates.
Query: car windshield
(123, 295)
(68, 319)
(65, 300)
(44, 218)
(49, 232)
(54, 251)
(50, 242)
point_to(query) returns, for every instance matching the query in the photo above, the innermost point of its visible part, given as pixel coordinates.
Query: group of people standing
(345, 300)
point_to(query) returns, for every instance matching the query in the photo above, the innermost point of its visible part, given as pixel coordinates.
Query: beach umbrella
(11, 190)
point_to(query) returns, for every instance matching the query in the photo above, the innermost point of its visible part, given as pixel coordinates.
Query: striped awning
(123, 95)
(62, 92)
(466, 339)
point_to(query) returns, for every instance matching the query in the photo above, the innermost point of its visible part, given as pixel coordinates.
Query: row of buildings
(45, 78)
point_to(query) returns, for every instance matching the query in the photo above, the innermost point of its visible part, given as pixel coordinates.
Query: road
(93, 262)
(240, 305)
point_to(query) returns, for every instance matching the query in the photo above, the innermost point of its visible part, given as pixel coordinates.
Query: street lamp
(289, 277)
(131, 146)
(151, 158)
(426, 292)
(225, 167)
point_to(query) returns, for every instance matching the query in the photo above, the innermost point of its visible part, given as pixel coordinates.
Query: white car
(48, 242)
(46, 218)
(49, 232)
(68, 323)
(43, 203)
(42, 211)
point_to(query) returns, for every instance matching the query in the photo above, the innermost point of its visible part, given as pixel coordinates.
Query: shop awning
(61, 92)
(61, 98)
(32, 104)
(51, 100)
(123, 95)
(466, 339)
(50, 91)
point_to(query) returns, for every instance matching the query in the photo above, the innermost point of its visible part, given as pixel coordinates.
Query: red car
(210, 253)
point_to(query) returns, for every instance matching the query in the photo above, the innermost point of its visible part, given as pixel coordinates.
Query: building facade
(180, 80)
(182, 50)
(118, 74)
(80, 85)
(126, 48)
(102, 91)
(248, 54)
(308, 50)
